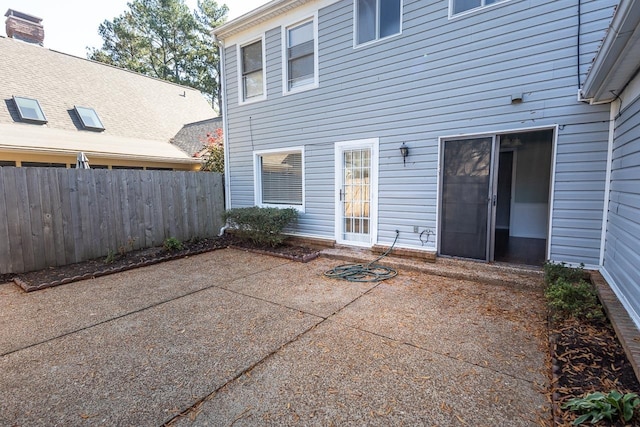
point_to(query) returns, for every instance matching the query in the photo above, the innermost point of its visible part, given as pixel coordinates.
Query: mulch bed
(586, 357)
(55, 276)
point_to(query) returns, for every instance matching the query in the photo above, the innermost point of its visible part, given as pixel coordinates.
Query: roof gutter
(102, 155)
(623, 32)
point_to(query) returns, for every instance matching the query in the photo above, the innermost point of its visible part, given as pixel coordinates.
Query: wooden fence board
(5, 260)
(55, 198)
(13, 220)
(48, 239)
(24, 218)
(34, 204)
(156, 205)
(139, 210)
(67, 217)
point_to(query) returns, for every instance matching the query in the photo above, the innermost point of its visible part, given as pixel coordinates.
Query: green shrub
(262, 226)
(554, 271)
(568, 294)
(172, 244)
(111, 257)
(573, 299)
(599, 406)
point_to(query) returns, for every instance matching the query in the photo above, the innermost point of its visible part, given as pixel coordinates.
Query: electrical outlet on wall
(416, 229)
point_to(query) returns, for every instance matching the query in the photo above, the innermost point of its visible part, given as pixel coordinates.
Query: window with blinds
(300, 54)
(252, 71)
(280, 177)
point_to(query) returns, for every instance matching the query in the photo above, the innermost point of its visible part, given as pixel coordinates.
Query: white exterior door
(357, 192)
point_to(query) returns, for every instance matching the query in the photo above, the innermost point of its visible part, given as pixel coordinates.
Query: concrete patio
(230, 337)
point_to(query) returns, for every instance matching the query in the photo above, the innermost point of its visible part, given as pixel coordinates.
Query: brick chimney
(22, 26)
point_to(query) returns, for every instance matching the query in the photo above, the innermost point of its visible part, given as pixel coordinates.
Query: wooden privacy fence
(51, 216)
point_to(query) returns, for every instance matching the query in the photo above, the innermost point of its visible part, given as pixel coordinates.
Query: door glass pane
(465, 193)
(356, 194)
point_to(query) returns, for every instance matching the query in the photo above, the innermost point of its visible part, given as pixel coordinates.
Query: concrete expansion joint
(270, 355)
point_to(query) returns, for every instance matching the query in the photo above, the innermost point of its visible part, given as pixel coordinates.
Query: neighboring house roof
(618, 60)
(192, 137)
(140, 114)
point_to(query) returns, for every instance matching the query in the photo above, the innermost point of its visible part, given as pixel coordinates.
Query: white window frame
(377, 38)
(257, 177)
(285, 60)
(241, 95)
(472, 10)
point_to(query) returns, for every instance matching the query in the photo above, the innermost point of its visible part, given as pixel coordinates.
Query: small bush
(262, 226)
(172, 244)
(599, 406)
(111, 257)
(554, 271)
(569, 295)
(573, 299)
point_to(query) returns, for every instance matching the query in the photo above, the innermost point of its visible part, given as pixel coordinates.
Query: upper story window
(377, 19)
(89, 118)
(300, 55)
(459, 6)
(252, 81)
(29, 110)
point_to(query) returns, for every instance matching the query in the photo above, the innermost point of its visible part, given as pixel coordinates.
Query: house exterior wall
(439, 78)
(622, 248)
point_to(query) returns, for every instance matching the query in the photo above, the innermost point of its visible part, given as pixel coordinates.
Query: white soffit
(618, 59)
(266, 17)
(41, 139)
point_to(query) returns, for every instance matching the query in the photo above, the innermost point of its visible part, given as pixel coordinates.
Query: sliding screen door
(466, 185)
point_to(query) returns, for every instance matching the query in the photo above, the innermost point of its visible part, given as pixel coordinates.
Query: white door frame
(340, 147)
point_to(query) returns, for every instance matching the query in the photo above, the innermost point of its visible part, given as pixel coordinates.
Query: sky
(72, 25)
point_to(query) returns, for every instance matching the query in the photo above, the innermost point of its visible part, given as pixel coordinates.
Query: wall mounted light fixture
(404, 152)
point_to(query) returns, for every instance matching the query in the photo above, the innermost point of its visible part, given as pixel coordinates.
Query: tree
(165, 39)
(214, 156)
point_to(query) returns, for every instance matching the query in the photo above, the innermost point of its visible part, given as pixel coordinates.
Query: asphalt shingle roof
(131, 106)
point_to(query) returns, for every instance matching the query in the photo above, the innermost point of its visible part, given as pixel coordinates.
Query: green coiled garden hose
(370, 272)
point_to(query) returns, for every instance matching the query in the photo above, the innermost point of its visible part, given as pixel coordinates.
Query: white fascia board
(41, 139)
(619, 45)
(267, 18)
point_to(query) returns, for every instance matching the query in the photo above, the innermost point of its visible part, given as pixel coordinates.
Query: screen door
(466, 201)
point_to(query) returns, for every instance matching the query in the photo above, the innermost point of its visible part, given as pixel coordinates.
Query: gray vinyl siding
(622, 248)
(438, 78)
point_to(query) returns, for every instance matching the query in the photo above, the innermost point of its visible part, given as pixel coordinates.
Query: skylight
(29, 110)
(89, 118)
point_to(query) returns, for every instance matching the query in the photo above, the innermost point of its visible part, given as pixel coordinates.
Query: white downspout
(613, 112)
(225, 128)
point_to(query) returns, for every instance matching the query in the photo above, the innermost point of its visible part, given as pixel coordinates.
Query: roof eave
(618, 58)
(256, 16)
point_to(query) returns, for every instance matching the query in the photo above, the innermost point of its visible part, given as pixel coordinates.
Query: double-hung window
(459, 6)
(300, 56)
(252, 83)
(279, 178)
(377, 19)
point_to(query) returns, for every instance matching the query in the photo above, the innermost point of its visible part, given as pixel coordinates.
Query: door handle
(494, 199)
(340, 194)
